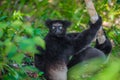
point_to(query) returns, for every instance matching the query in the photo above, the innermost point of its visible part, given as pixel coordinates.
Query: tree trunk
(91, 10)
(94, 17)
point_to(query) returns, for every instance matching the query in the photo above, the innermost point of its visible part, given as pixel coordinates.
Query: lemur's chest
(59, 45)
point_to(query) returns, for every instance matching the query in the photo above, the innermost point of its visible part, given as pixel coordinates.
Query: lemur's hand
(97, 23)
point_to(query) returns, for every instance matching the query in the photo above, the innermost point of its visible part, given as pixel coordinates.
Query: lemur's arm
(86, 37)
(39, 60)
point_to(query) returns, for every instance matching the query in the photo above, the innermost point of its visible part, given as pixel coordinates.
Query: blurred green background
(22, 28)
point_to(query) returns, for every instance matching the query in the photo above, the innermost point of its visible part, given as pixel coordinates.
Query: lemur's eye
(60, 27)
(53, 27)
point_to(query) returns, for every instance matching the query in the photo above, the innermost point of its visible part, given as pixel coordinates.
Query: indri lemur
(54, 61)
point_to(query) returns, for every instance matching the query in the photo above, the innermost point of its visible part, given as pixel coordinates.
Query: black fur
(39, 61)
(106, 47)
(60, 48)
(88, 53)
(65, 23)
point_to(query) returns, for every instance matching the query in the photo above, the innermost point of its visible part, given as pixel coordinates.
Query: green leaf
(17, 15)
(1, 32)
(3, 25)
(37, 31)
(18, 58)
(10, 32)
(118, 1)
(17, 24)
(29, 30)
(39, 41)
(10, 49)
(110, 72)
(27, 45)
(83, 70)
(12, 73)
(41, 73)
(30, 68)
(3, 17)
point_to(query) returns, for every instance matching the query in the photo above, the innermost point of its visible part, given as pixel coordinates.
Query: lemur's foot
(101, 36)
(102, 42)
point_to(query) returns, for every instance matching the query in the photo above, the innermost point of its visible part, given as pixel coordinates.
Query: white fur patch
(58, 74)
(101, 39)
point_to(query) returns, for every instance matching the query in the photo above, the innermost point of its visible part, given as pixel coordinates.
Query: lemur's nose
(58, 31)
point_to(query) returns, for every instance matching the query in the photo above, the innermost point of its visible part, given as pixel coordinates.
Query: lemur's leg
(87, 54)
(102, 42)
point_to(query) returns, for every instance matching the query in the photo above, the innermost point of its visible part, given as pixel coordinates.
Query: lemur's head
(57, 27)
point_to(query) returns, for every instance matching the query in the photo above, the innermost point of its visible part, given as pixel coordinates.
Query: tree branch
(94, 17)
(91, 10)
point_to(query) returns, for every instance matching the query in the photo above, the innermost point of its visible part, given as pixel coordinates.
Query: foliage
(22, 28)
(17, 41)
(96, 70)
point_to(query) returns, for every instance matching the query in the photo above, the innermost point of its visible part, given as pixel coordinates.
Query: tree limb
(94, 17)
(91, 10)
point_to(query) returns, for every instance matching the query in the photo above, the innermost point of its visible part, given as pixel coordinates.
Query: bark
(94, 17)
(91, 10)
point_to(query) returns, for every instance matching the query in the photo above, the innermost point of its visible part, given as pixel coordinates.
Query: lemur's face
(57, 27)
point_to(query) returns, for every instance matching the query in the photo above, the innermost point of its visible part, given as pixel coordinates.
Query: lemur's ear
(66, 23)
(48, 23)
